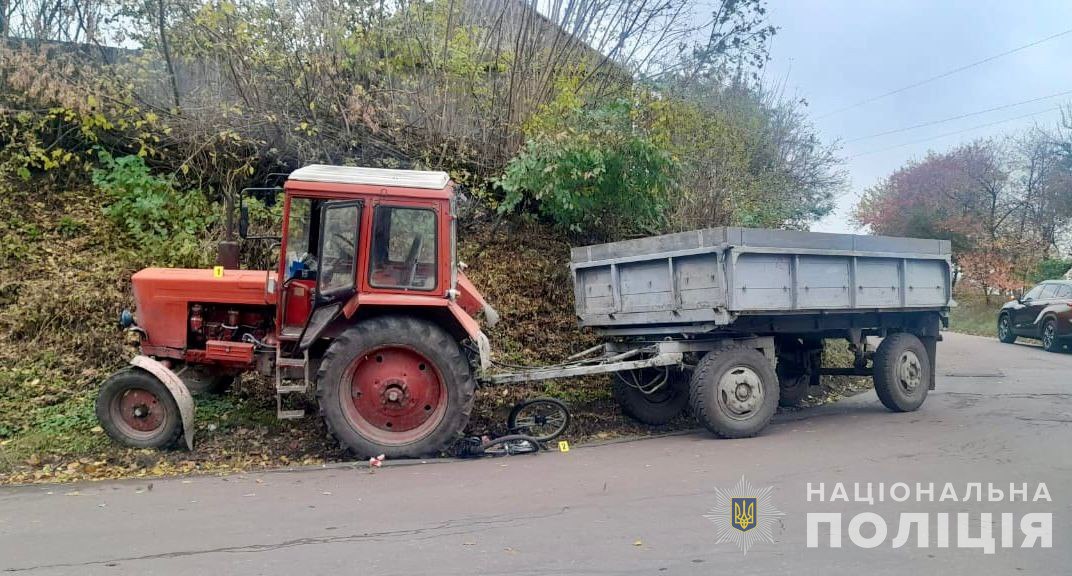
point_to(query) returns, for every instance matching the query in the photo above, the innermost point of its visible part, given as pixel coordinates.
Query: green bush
(165, 226)
(601, 174)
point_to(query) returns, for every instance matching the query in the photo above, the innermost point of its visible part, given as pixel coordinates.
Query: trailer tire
(657, 408)
(137, 410)
(792, 388)
(902, 372)
(395, 385)
(734, 391)
(794, 373)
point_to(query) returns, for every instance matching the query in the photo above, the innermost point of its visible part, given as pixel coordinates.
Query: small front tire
(137, 410)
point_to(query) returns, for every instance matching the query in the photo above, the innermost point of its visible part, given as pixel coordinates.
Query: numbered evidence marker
(563, 446)
(217, 271)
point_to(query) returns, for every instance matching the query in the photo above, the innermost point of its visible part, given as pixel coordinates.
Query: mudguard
(183, 399)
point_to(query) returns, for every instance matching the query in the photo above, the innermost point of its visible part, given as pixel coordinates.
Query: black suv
(1044, 313)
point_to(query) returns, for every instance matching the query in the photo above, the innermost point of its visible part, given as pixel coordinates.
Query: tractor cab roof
(321, 177)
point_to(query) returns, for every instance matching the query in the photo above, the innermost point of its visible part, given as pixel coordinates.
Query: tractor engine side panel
(182, 309)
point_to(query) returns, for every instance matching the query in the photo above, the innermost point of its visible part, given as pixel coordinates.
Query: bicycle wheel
(542, 418)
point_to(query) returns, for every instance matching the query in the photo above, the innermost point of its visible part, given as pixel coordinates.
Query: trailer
(731, 321)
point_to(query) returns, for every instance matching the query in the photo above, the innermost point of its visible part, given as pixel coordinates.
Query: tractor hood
(163, 297)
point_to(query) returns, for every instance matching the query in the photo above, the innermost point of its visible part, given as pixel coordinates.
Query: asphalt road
(1000, 414)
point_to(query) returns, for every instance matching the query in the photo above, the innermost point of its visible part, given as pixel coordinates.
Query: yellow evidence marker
(563, 446)
(217, 271)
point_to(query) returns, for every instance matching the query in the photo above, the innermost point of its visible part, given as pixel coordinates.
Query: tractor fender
(183, 399)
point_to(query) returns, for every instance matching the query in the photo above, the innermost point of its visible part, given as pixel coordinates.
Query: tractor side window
(300, 261)
(338, 254)
(403, 248)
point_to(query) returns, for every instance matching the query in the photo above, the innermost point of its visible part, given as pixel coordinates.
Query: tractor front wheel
(395, 385)
(137, 410)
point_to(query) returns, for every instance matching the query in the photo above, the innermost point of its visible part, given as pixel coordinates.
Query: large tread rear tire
(654, 409)
(712, 405)
(421, 336)
(902, 372)
(110, 414)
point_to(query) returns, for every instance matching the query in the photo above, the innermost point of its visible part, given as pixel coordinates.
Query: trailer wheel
(792, 389)
(668, 398)
(395, 385)
(137, 410)
(794, 371)
(734, 391)
(902, 372)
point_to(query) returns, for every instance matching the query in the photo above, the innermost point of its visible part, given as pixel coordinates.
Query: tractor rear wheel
(137, 410)
(395, 385)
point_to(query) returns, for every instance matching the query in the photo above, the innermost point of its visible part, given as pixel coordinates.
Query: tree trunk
(166, 49)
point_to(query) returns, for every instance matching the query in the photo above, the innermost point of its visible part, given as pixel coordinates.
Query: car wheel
(1005, 333)
(1049, 336)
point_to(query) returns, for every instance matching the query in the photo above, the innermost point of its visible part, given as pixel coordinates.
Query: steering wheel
(412, 260)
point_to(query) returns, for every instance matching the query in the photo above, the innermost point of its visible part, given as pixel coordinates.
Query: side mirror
(243, 221)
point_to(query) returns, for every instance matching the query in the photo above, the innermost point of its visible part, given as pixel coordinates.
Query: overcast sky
(835, 53)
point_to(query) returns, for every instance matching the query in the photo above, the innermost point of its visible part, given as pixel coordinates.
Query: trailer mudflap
(183, 399)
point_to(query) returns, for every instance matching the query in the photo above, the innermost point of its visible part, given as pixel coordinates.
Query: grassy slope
(973, 315)
(64, 279)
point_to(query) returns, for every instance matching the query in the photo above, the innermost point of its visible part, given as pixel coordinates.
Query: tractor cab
(350, 231)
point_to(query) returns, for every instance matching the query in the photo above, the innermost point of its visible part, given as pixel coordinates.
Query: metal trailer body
(706, 280)
(731, 321)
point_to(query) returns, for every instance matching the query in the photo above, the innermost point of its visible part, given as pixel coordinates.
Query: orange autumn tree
(990, 198)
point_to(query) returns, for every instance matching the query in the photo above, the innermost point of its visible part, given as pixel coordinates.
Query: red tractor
(368, 305)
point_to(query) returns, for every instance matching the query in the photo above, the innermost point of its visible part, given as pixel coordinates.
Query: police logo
(745, 515)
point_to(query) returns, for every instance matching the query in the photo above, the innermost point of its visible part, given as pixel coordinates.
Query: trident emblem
(744, 514)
